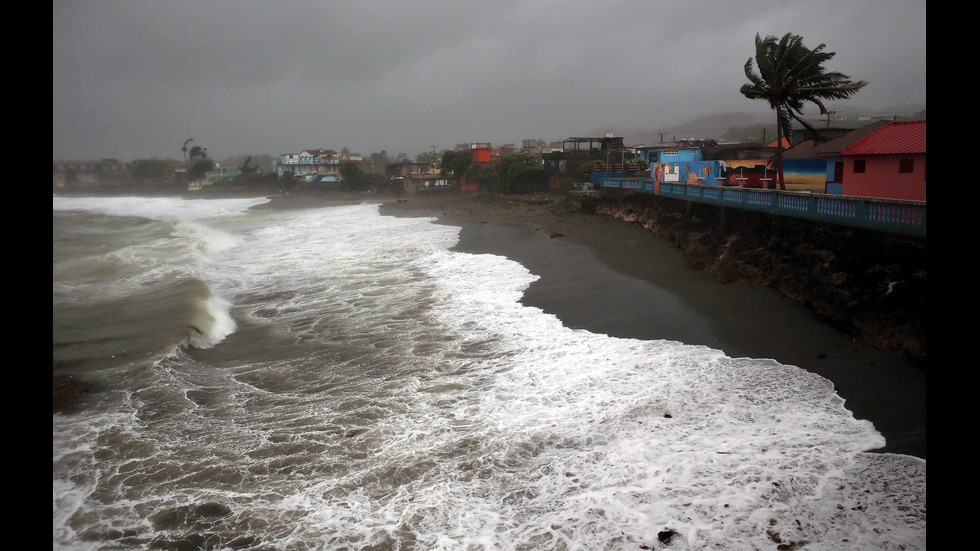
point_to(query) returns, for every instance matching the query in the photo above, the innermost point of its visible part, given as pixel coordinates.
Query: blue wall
(596, 177)
(684, 155)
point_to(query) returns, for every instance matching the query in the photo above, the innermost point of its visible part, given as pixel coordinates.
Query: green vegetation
(460, 163)
(588, 203)
(380, 157)
(589, 166)
(510, 169)
(288, 180)
(263, 162)
(199, 163)
(351, 176)
(428, 157)
(150, 169)
(790, 75)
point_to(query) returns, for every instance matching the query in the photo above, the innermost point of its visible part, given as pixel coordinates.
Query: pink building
(888, 164)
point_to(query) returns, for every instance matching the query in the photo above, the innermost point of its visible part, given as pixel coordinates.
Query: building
(222, 173)
(323, 165)
(822, 154)
(889, 163)
(483, 153)
(417, 176)
(577, 151)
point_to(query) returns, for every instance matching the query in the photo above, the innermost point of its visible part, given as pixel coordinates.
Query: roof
(802, 150)
(786, 143)
(812, 149)
(895, 138)
(320, 151)
(833, 148)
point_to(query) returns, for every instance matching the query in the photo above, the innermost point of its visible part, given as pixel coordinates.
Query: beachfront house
(309, 164)
(890, 163)
(221, 174)
(815, 163)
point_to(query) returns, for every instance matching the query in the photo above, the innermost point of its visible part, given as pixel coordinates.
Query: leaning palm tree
(187, 166)
(790, 74)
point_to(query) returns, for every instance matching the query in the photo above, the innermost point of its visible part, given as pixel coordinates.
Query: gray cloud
(134, 79)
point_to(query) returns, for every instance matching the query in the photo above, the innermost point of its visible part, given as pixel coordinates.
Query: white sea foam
(159, 208)
(207, 240)
(412, 399)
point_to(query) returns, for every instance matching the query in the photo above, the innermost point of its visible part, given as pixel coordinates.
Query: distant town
(844, 156)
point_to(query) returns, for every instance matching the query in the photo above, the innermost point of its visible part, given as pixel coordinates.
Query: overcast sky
(135, 78)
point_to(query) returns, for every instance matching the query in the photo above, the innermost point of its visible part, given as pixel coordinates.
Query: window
(905, 166)
(859, 166)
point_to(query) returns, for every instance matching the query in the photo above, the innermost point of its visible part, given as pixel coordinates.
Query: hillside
(717, 125)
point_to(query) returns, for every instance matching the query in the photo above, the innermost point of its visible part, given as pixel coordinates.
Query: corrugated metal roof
(896, 138)
(833, 148)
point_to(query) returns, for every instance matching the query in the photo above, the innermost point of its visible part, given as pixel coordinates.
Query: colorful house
(311, 163)
(889, 163)
(482, 152)
(817, 166)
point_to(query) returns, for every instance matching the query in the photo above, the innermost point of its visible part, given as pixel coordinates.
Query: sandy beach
(608, 276)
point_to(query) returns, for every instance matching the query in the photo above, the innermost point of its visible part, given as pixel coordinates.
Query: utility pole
(829, 113)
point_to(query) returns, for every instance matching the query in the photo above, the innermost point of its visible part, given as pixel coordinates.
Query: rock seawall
(869, 284)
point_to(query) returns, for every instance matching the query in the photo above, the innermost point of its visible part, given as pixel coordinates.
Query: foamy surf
(381, 391)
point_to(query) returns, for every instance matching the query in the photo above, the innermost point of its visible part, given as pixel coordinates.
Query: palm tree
(187, 166)
(790, 74)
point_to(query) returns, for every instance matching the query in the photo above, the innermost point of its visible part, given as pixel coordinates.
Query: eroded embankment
(869, 284)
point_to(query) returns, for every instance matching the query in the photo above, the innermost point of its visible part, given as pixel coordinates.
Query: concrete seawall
(870, 284)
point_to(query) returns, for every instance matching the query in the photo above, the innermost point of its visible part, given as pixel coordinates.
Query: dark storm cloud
(135, 79)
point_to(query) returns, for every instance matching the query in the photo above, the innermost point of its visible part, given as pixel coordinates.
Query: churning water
(331, 378)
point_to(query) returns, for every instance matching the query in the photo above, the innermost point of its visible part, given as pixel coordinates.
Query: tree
(199, 163)
(288, 179)
(200, 168)
(351, 176)
(183, 148)
(459, 162)
(510, 168)
(790, 75)
(428, 157)
(150, 169)
(380, 157)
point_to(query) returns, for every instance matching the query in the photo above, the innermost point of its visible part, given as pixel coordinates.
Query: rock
(869, 284)
(67, 392)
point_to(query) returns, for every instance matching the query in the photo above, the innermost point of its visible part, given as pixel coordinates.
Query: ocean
(331, 378)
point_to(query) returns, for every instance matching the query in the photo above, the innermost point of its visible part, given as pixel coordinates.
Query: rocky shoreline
(869, 284)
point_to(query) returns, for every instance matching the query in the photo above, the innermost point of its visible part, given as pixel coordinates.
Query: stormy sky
(134, 79)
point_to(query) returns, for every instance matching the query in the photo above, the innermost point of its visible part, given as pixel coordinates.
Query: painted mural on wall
(750, 173)
(799, 174)
(691, 172)
(805, 174)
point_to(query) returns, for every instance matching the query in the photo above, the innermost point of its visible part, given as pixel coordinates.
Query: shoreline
(603, 274)
(609, 276)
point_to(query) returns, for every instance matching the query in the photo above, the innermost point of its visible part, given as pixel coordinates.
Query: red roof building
(889, 163)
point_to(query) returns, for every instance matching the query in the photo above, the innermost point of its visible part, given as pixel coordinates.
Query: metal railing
(890, 215)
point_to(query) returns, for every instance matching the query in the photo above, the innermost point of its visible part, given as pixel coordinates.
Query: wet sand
(608, 276)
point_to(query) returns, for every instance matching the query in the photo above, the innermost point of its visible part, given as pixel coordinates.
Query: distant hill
(707, 127)
(735, 126)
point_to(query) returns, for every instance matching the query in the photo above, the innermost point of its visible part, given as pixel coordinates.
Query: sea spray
(215, 323)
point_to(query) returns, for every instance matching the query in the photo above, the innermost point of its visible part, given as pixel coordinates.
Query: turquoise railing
(891, 215)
